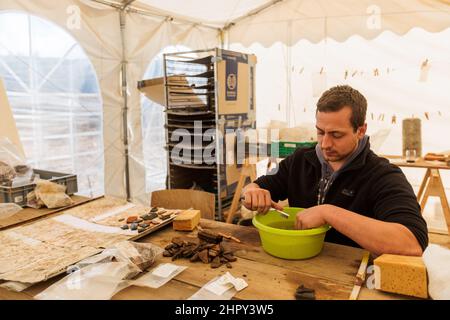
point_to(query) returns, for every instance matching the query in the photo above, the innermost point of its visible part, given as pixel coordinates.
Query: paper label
(226, 282)
(89, 226)
(165, 270)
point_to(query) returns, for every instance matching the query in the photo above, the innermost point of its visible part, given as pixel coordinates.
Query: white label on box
(18, 199)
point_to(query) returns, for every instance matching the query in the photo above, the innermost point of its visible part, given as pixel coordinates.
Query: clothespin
(354, 73)
(345, 74)
(292, 68)
(424, 68)
(427, 116)
(394, 119)
(301, 70)
(321, 70)
(371, 114)
(375, 72)
(439, 113)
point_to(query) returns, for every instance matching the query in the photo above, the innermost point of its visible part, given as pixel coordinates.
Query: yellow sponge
(401, 274)
(186, 220)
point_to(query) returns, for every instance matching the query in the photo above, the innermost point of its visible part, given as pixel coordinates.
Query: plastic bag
(220, 288)
(50, 194)
(13, 165)
(101, 276)
(159, 276)
(142, 255)
(99, 281)
(139, 256)
(8, 209)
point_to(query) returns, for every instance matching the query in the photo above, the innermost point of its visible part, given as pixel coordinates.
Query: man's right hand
(257, 199)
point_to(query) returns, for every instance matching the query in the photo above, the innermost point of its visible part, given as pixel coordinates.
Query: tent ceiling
(211, 12)
(291, 20)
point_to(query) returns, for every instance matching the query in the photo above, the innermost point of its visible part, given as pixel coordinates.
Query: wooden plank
(31, 214)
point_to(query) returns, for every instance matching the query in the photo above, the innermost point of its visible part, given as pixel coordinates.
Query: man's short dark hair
(336, 98)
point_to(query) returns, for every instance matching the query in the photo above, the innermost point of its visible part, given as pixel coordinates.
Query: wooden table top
(331, 274)
(419, 163)
(31, 214)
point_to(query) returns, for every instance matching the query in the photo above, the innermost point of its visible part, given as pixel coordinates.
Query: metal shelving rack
(191, 82)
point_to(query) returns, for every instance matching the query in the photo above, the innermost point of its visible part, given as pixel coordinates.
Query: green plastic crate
(286, 148)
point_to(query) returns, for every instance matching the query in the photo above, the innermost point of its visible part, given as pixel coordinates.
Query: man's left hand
(311, 218)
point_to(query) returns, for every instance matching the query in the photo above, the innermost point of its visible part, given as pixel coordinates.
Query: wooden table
(31, 214)
(331, 273)
(431, 185)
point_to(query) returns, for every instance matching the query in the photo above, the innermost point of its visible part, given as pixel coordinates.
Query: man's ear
(362, 131)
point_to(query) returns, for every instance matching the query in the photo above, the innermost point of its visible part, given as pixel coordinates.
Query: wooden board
(31, 214)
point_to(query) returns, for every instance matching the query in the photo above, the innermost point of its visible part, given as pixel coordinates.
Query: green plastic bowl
(279, 238)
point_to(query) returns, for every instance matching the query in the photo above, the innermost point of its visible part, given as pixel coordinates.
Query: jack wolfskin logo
(349, 193)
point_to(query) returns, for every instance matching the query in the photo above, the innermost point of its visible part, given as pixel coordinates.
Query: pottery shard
(131, 219)
(170, 246)
(194, 257)
(230, 257)
(213, 253)
(216, 263)
(178, 241)
(203, 255)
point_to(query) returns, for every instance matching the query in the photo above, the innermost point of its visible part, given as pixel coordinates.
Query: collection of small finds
(208, 249)
(143, 222)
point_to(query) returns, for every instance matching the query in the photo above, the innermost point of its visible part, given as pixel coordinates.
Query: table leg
(435, 188)
(423, 184)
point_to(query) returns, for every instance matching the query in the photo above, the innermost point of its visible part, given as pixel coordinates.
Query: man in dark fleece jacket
(368, 201)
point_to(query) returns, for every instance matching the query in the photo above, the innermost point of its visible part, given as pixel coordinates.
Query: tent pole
(127, 7)
(251, 13)
(124, 83)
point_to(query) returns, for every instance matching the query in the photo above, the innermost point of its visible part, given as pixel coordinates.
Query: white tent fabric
(99, 35)
(291, 20)
(286, 37)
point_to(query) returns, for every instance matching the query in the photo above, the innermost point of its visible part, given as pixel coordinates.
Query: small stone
(152, 215)
(140, 229)
(145, 217)
(165, 217)
(154, 209)
(139, 220)
(124, 227)
(121, 219)
(143, 225)
(156, 221)
(134, 226)
(229, 266)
